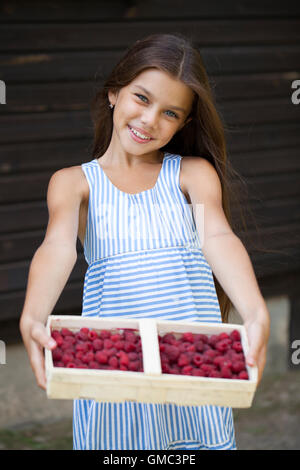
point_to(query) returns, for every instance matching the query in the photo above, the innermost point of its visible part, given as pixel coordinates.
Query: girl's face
(153, 104)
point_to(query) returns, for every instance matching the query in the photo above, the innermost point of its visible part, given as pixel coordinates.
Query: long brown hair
(202, 136)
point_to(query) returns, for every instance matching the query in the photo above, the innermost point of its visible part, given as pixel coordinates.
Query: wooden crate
(151, 385)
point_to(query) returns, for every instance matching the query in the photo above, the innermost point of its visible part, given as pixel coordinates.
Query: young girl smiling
(158, 143)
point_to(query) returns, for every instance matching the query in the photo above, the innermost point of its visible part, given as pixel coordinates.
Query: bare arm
(51, 266)
(228, 258)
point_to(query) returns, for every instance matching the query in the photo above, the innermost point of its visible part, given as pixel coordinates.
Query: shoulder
(201, 179)
(69, 181)
(191, 164)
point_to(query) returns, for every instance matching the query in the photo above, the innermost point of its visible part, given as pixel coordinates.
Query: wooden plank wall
(52, 55)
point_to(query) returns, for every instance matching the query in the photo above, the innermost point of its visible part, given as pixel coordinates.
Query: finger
(255, 345)
(38, 365)
(261, 364)
(39, 334)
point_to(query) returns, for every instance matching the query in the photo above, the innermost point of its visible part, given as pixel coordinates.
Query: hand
(258, 332)
(36, 338)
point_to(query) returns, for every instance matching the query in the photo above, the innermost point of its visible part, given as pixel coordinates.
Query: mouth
(139, 136)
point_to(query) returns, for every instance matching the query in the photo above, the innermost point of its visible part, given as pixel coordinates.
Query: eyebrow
(151, 96)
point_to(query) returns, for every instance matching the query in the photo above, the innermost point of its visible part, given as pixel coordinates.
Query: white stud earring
(111, 105)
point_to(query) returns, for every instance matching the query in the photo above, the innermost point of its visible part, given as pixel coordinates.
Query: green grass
(53, 436)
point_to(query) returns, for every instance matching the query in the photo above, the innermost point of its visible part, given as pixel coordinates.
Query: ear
(112, 96)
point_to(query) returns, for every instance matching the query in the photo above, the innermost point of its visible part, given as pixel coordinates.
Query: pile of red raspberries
(219, 356)
(190, 354)
(87, 349)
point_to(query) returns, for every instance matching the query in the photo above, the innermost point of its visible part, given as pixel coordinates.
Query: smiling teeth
(140, 135)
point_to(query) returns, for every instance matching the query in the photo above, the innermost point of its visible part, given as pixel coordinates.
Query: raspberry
(222, 345)
(198, 359)
(168, 338)
(199, 345)
(218, 360)
(67, 346)
(93, 365)
(81, 347)
(240, 356)
(134, 365)
(201, 337)
(235, 335)
(210, 354)
(56, 354)
(129, 347)
(139, 346)
(69, 351)
(198, 373)
(116, 337)
(238, 366)
(101, 357)
(187, 370)
(122, 367)
(59, 339)
(88, 357)
(175, 369)
(172, 352)
(227, 363)
(237, 346)
(119, 344)
(243, 375)
(67, 358)
(111, 352)
(83, 334)
(164, 357)
(223, 336)
(92, 335)
(213, 340)
(55, 333)
(124, 360)
(208, 367)
(226, 373)
(130, 336)
(185, 346)
(183, 360)
(107, 344)
(214, 373)
(189, 337)
(165, 368)
(70, 340)
(132, 356)
(79, 355)
(97, 344)
(66, 332)
(71, 365)
(104, 334)
(113, 361)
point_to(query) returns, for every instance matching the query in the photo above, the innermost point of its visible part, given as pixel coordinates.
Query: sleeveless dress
(145, 260)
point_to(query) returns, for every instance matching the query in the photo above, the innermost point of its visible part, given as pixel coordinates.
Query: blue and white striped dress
(145, 260)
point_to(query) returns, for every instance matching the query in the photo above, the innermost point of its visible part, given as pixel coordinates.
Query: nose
(149, 118)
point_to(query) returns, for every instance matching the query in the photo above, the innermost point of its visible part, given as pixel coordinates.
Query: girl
(128, 206)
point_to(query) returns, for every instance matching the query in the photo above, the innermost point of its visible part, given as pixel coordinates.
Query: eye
(138, 95)
(174, 115)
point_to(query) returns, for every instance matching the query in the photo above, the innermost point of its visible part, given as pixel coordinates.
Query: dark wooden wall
(53, 54)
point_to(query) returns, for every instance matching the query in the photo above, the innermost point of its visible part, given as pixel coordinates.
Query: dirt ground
(273, 422)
